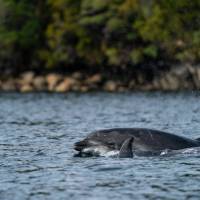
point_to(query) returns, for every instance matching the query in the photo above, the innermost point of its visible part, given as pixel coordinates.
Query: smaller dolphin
(127, 142)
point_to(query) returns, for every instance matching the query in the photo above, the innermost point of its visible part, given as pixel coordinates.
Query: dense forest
(95, 36)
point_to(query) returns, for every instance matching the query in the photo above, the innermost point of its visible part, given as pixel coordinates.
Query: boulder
(156, 84)
(27, 77)
(110, 86)
(53, 80)
(65, 85)
(198, 73)
(147, 87)
(39, 83)
(8, 85)
(173, 82)
(164, 84)
(26, 88)
(132, 84)
(122, 89)
(84, 89)
(95, 79)
(77, 75)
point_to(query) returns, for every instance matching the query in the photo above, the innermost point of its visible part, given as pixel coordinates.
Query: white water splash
(113, 153)
(96, 150)
(101, 151)
(193, 150)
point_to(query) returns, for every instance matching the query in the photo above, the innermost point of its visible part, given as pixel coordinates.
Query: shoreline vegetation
(183, 77)
(84, 45)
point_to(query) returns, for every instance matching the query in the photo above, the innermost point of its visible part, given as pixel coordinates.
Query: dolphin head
(99, 143)
(90, 147)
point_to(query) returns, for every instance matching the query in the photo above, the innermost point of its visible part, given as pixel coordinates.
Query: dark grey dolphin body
(132, 141)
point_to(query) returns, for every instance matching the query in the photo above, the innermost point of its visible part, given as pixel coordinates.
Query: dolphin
(127, 142)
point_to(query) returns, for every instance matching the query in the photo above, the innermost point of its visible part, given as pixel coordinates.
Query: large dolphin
(127, 142)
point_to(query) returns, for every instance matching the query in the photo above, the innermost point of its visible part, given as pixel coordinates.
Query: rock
(156, 84)
(39, 83)
(26, 88)
(190, 68)
(187, 85)
(52, 81)
(97, 78)
(198, 73)
(122, 89)
(132, 84)
(76, 88)
(164, 84)
(84, 88)
(195, 81)
(27, 77)
(173, 82)
(110, 86)
(65, 85)
(197, 78)
(77, 75)
(179, 71)
(140, 79)
(147, 87)
(93, 87)
(8, 85)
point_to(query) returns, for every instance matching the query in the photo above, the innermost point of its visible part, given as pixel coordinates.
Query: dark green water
(37, 132)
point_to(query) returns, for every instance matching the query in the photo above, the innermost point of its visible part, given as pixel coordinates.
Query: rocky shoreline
(185, 77)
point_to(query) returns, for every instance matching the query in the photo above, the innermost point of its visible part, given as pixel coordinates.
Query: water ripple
(37, 132)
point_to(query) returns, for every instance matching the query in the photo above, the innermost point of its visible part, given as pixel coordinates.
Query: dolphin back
(198, 139)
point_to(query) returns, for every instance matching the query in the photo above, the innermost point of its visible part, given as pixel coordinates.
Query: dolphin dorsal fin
(126, 150)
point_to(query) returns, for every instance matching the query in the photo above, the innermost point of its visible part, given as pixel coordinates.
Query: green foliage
(173, 27)
(20, 33)
(115, 33)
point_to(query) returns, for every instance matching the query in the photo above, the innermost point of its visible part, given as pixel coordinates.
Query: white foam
(113, 153)
(164, 152)
(193, 150)
(96, 150)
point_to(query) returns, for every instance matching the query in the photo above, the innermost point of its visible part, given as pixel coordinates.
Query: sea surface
(37, 132)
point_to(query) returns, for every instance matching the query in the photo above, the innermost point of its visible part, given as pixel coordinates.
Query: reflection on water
(37, 133)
